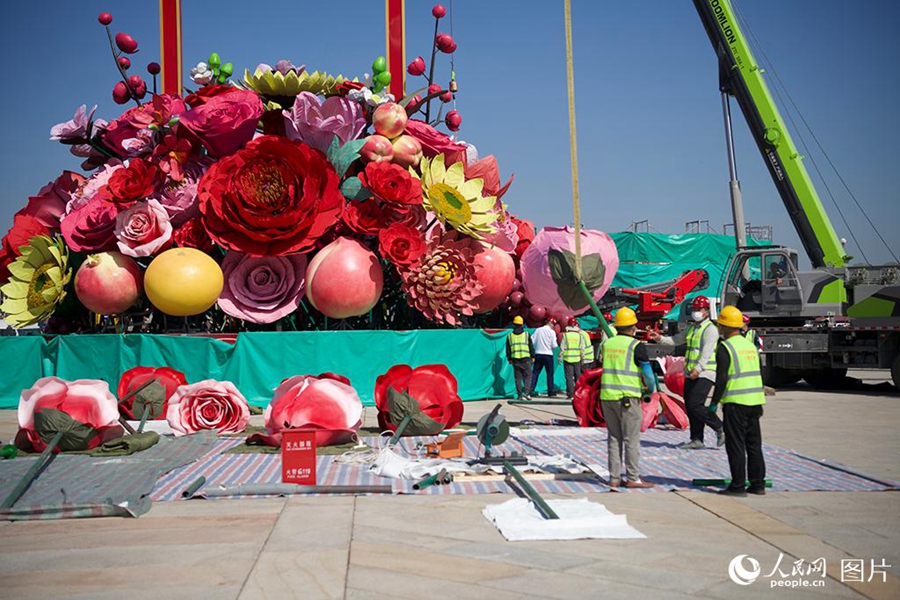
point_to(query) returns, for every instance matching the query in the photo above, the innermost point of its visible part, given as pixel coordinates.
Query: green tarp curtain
(258, 362)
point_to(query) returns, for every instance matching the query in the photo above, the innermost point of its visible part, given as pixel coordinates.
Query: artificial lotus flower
(317, 123)
(487, 170)
(271, 82)
(37, 282)
(442, 284)
(456, 201)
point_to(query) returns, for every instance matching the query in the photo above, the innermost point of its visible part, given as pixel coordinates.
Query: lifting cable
(573, 143)
(771, 65)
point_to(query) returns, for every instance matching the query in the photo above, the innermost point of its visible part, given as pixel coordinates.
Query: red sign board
(298, 456)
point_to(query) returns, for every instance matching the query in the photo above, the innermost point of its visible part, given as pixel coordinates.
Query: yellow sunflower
(37, 281)
(456, 201)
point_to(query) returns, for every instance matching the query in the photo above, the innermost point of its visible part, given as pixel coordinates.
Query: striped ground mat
(72, 486)
(661, 462)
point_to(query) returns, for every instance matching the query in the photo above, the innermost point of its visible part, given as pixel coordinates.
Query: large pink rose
(144, 229)
(262, 289)
(91, 227)
(52, 404)
(434, 142)
(326, 403)
(225, 123)
(128, 132)
(208, 404)
(49, 205)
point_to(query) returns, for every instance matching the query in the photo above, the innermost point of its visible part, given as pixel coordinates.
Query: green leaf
(562, 270)
(48, 421)
(400, 404)
(405, 102)
(342, 156)
(154, 395)
(353, 189)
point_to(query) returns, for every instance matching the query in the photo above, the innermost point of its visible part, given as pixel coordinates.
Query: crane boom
(741, 77)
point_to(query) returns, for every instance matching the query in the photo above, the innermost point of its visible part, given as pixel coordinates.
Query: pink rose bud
(124, 62)
(433, 89)
(135, 81)
(446, 97)
(120, 93)
(126, 43)
(104, 18)
(453, 120)
(154, 68)
(416, 67)
(445, 43)
(438, 12)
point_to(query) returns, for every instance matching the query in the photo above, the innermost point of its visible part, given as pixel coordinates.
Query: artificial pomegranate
(183, 281)
(344, 279)
(108, 283)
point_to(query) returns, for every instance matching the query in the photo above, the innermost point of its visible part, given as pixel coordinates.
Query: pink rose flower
(144, 229)
(262, 289)
(87, 401)
(49, 205)
(225, 123)
(91, 227)
(207, 404)
(434, 142)
(327, 403)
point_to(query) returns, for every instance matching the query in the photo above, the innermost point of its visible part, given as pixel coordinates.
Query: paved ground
(441, 546)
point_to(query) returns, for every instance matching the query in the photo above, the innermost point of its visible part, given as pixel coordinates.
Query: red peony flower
(432, 386)
(391, 183)
(225, 122)
(50, 203)
(368, 217)
(132, 183)
(434, 142)
(84, 408)
(193, 235)
(326, 403)
(204, 94)
(525, 230)
(135, 120)
(401, 244)
(208, 404)
(91, 227)
(272, 198)
(134, 378)
(586, 400)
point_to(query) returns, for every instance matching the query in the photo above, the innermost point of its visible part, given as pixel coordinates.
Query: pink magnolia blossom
(208, 404)
(87, 401)
(316, 123)
(327, 403)
(144, 229)
(262, 289)
(76, 128)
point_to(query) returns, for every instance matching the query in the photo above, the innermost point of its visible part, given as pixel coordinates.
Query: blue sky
(651, 142)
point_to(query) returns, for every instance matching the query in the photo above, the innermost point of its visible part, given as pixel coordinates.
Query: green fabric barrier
(258, 362)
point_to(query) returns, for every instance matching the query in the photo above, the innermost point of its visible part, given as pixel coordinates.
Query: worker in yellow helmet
(519, 353)
(739, 388)
(624, 359)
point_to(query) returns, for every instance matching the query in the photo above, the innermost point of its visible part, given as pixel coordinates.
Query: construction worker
(588, 357)
(544, 342)
(751, 335)
(701, 338)
(624, 358)
(519, 353)
(571, 354)
(739, 388)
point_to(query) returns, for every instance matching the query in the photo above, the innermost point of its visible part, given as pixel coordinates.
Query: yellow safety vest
(518, 345)
(588, 348)
(621, 377)
(572, 352)
(745, 385)
(694, 339)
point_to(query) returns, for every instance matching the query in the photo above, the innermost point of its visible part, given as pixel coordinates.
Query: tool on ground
(192, 489)
(723, 482)
(8, 451)
(450, 447)
(284, 489)
(144, 416)
(539, 503)
(492, 429)
(32, 473)
(438, 478)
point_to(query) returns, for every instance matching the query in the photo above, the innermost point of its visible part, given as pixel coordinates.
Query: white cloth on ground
(519, 520)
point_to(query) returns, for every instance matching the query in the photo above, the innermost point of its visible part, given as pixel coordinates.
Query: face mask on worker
(698, 315)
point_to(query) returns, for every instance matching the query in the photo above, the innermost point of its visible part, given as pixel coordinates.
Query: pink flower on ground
(316, 123)
(433, 386)
(208, 404)
(327, 403)
(87, 401)
(262, 289)
(144, 229)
